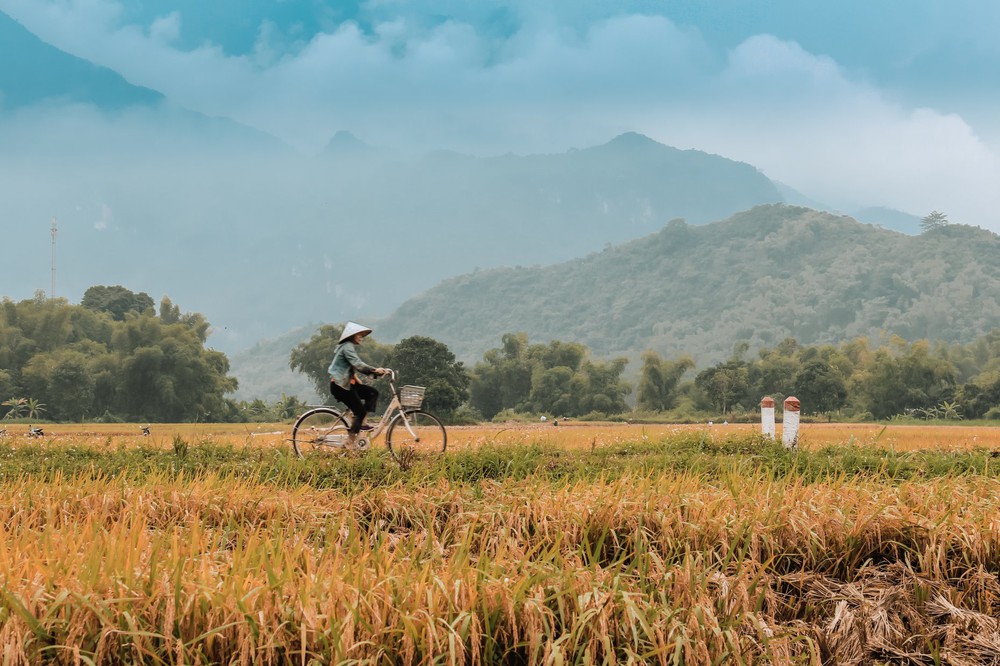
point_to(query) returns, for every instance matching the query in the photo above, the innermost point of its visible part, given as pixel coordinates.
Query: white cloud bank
(798, 116)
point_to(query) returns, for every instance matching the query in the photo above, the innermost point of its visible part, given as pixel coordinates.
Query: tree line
(116, 356)
(857, 379)
(556, 378)
(113, 357)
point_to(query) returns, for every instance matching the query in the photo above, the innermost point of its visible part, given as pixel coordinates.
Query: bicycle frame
(392, 409)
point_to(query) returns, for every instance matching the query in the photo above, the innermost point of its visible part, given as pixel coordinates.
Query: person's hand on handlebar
(381, 372)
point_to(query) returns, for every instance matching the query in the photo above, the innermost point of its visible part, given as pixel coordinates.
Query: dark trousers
(360, 399)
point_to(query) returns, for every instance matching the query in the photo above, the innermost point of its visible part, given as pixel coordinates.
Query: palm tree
(949, 410)
(34, 408)
(17, 407)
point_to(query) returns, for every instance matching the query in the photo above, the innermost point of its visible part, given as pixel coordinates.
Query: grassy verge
(691, 453)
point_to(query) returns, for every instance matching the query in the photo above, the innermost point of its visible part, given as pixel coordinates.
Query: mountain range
(34, 72)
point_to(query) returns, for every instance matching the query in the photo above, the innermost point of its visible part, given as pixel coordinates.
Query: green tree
(117, 301)
(312, 357)
(933, 220)
(34, 408)
(288, 407)
(903, 377)
(557, 354)
(552, 391)
(46, 323)
(658, 380)
(557, 378)
(84, 362)
(503, 379)
(600, 388)
(820, 387)
(64, 378)
(16, 407)
(257, 410)
(169, 313)
(426, 362)
(7, 384)
(724, 384)
(950, 410)
(773, 373)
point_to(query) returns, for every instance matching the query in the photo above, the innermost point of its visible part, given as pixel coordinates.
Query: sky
(854, 103)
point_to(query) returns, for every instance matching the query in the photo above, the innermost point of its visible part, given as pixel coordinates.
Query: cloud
(530, 77)
(166, 29)
(437, 81)
(805, 121)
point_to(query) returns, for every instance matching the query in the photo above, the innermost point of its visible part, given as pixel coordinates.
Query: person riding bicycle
(344, 383)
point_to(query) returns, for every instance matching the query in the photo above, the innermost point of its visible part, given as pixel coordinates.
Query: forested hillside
(263, 370)
(760, 276)
(111, 357)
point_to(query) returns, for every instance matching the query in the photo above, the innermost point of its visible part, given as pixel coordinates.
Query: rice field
(569, 544)
(570, 435)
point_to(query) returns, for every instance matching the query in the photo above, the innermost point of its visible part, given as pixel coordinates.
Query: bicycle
(409, 430)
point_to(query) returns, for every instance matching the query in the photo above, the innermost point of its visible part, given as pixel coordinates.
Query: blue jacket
(346, 363)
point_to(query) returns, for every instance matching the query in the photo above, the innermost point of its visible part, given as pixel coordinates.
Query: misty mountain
(760, 276)
(260, 239)
(37, 79)
(345, 145)
(31, 72)
(889, 218)
(263, 370)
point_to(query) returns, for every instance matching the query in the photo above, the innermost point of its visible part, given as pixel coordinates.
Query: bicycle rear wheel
(425, 436)
(317, 428)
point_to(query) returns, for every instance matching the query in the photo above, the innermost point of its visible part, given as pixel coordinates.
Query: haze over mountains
(230, 221)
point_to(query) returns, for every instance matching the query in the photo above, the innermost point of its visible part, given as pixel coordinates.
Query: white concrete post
(767, 416)
(790, 422)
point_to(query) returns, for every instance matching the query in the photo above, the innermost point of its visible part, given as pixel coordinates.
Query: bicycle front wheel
(319, 427)
(421, 434)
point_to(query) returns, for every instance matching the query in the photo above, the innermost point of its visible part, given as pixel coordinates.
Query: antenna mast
(52, 291)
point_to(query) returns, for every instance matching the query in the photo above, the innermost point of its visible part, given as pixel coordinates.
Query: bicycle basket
(411, 396)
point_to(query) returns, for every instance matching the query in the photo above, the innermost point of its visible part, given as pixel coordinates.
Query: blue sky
(856, 102)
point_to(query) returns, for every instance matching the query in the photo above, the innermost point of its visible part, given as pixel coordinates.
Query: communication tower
(52, 291)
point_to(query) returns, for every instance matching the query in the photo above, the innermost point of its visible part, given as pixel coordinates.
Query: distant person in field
(344, 383)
